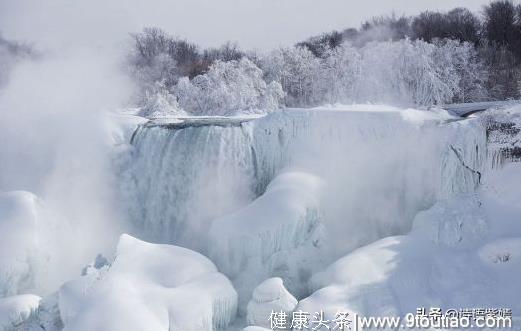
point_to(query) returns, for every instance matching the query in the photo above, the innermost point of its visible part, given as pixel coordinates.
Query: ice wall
(401, 161)
(279, 234)
(379, 166)
(181, 178)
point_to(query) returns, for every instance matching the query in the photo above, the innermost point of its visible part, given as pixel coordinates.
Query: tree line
(428, 59)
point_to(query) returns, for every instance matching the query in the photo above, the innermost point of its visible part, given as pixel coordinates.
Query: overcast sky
(252, 23)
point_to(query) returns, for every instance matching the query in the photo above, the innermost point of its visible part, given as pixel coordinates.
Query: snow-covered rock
(15, 310)
(270, 295)
(150, 287)
(460, 253)
(278, 234)
(18, 241)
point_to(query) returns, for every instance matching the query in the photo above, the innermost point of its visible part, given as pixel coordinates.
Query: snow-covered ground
(462, 252)
(369, 209)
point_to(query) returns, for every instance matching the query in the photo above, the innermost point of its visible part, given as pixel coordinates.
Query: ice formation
(278, 234)
(149, 287)
(282, 196)
(269, 296)
(176, 171)
(18, 242)
(410, 159)
(504, 135)
(460, 253)
(15, 310)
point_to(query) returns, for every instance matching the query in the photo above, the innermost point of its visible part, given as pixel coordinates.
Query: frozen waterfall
(184, 175)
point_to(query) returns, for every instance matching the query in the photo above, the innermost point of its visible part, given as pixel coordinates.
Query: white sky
(252, 23)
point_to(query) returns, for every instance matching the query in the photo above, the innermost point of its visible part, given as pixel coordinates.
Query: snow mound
(149, 287)
(15, 310)
(18, 241)
(460, 253)
(278, 234)
(270, 295)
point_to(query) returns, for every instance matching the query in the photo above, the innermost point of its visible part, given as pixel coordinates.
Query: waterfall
(182, 177)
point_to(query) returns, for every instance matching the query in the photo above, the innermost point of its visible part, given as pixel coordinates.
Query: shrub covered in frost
(159, 102)
(228, 87)
(400, 72)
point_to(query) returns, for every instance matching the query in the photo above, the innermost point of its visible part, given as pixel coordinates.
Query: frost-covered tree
(297, 69)
(228, 87)
(159, 102)
(339, 71)
(403, 72)
(460, 63)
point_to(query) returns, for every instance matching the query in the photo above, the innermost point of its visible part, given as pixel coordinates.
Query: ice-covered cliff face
(378, 167)
(185, 175)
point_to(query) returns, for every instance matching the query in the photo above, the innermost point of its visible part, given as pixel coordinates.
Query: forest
(430, 59)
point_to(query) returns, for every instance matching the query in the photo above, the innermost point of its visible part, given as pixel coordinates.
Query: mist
(56, 145)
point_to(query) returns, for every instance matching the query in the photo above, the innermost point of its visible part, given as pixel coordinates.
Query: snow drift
(149, 287)
(462, 252)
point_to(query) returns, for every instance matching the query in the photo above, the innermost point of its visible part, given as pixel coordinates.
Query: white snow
(278, 234)
(269, 296)
(460, 253)
(409, 159)
(150, 287)
(387, 193)
(15, 310)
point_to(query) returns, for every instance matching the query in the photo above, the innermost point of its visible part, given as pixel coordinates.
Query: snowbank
(149, 287)
(460, 253)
